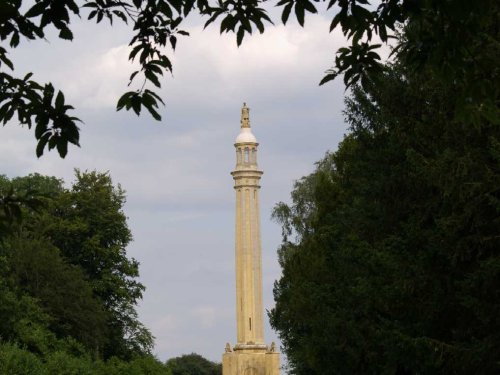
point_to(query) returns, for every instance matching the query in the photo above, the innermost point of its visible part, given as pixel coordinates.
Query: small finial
(272, 348)
(245, 116)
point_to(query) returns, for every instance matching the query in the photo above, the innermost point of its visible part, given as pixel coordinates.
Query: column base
(250, 359)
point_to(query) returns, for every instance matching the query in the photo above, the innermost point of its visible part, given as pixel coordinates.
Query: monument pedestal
(250, 360)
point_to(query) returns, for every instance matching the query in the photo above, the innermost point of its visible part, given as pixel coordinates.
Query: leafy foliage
(12, 201)
(39, 270)
(390, 250)
(17, 360)
(35, 103)
(67, 289)
(193, 364)
(449, 38)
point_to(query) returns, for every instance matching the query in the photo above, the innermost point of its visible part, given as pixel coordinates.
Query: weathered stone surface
(250, 356)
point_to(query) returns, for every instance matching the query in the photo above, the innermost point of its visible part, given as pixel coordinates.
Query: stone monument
(250, 355)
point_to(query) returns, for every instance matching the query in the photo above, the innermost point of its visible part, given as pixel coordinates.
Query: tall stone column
(250, 356)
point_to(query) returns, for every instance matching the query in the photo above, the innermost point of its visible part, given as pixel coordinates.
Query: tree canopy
(391, 250)
(68, 291)
(193, 364)
(446, 37)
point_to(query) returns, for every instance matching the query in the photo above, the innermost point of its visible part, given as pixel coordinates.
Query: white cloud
(276, 63)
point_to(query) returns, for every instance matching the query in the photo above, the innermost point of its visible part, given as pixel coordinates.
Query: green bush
(62, 363)
(18, 361)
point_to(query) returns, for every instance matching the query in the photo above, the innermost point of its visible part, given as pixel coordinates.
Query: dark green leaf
(3, 112)
(132, 76)
(66, 33)
(331, 3)
(239, 35)
(309, 6)
(149, 102)
(73, 6)
(52, 141)
(155, 95)
(136, 102)
(259, 24)
(121, 15)
(72, 133)
(36, 9)
(151, 76)
(212, 18)
(188, 6)
(299, 13)
(173, 41)
(59, 100)
(40, 129)
(124, 101)
(134, 51)
(14, 41)
(246, 24)
(335, 21)
(176, 22)
(62, 147)
(166, 10)
(177, 4)
(6, 61)
(41, 146)
(228, 23)
(328, 77)
(146, 52)
(92, 14)
(154, 113)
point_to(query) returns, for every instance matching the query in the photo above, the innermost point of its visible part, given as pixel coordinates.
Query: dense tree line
(67, 289)
(391, 247)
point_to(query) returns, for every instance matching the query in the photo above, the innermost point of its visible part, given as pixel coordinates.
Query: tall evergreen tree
(391, 248)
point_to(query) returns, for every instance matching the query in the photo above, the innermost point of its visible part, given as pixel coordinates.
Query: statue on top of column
(245, 116)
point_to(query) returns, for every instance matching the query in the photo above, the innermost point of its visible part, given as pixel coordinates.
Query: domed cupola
(246, 143)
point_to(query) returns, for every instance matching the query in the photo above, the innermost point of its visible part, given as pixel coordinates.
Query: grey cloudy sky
(176, 173)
